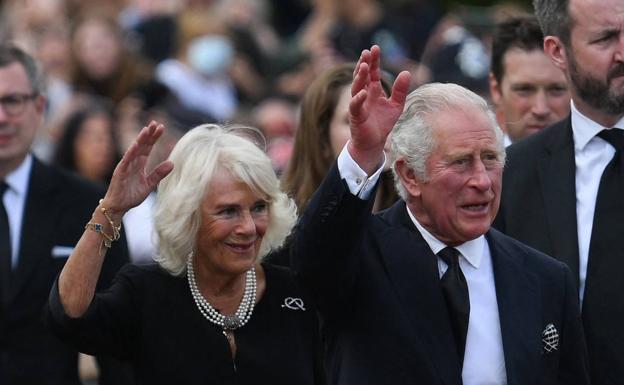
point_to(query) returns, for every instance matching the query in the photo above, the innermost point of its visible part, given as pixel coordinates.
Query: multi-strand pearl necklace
(227, 322)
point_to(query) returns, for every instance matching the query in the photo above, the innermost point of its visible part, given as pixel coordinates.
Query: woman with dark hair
(101, 62)
(322, 133)
(88, 144)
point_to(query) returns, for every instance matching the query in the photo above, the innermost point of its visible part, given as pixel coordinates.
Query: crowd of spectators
(245, 61)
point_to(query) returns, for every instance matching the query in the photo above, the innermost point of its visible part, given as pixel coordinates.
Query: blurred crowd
(110, 66)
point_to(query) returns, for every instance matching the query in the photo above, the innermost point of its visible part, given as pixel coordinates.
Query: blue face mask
(210, 55)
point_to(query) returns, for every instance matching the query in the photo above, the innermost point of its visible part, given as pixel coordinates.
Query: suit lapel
(518, 297)
(413, 270)
(40, 212)
(557, 180)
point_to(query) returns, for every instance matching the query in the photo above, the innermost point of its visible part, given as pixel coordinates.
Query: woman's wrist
(108, 208)
(106, 222)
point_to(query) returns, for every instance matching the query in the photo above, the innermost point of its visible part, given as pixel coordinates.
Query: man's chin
(533, 129)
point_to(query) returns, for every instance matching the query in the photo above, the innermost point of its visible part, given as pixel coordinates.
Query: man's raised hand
(372, 114)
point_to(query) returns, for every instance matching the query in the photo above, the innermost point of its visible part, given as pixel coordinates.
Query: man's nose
(3, 114)
(540, 104)
(480, 178)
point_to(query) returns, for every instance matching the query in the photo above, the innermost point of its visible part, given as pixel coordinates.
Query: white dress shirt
(484, 358)
(507, 140)
(14, 201)
(591, 154)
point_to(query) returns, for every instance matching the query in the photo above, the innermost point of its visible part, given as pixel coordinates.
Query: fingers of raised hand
(159, 172)
(400, 88)
(360, 79)
(150, 134)
(375, 63)
(356, 111)
(142, 145)
(365, 57)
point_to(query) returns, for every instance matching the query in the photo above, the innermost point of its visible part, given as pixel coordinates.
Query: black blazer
(377, 286)
(538, 207)
(57, 207)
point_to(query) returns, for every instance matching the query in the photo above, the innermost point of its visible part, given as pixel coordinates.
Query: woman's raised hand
(131, 183)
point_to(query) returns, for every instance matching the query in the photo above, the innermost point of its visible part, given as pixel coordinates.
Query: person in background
(277, 119)
(101, 63)
(321, 134)
(88, 145)
(528, 90)
(42, 210)
(197, 79)
(210, 312)
(562, 189)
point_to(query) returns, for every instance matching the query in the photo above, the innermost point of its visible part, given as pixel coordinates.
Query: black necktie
(5, 247)
(606, 259)
(609, 211)
(455, 290)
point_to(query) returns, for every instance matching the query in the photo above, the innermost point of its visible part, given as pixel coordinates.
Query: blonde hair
(196, 156)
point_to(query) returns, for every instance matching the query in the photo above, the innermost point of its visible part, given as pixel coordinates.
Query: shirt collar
(17, 180)
(507, 140)
(471, 250)
(584, 129)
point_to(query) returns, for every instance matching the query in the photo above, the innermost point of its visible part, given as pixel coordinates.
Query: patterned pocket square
(550, 338)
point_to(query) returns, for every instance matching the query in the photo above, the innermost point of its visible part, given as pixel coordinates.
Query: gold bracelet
(98, 228)
(116, 228)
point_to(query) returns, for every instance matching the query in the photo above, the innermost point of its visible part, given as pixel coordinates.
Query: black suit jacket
(538, 207)
(377, 285)
(57, 207)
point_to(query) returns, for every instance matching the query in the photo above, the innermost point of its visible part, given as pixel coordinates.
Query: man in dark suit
(42, 215)
(564, 187)
(426, 292)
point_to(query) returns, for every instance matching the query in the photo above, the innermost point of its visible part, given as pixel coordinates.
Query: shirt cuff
(359, 183)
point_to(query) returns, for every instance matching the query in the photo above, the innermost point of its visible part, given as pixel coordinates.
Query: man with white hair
(426, 292)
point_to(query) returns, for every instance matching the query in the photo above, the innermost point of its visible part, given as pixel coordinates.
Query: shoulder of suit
(64, 180)
(531, 255)
(524, 156)
(529, 145)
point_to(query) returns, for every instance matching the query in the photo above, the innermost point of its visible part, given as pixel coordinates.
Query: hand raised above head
(131, 183)
(372, 114)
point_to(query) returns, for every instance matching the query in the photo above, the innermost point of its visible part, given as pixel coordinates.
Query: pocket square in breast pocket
(62, 251)
(550, 338)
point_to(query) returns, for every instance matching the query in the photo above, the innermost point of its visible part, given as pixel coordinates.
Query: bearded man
(563, 187)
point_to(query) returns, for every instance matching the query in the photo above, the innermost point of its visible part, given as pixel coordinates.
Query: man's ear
(556, 51)
(408, 178)
(40, 104)
(495, 91)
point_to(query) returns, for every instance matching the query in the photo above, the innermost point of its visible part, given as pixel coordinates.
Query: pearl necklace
(227, 322)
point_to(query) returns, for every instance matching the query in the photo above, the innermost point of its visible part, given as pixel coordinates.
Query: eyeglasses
(13, 104)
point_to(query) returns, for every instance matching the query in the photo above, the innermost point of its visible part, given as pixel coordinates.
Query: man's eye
(557, 90)
(11, 100)
(524, 90)
(605, 38)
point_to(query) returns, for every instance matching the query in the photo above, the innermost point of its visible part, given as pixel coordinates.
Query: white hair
(195, 157)
(412, 137)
